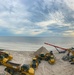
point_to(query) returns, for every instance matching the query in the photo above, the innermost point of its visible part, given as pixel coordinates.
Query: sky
(35, 18)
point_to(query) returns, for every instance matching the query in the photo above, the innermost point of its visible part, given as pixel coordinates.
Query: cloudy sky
(37, 18)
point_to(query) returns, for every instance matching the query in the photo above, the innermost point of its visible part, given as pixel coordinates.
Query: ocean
(19, 43)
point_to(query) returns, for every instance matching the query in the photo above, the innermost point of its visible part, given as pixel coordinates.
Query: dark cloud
(57, 28)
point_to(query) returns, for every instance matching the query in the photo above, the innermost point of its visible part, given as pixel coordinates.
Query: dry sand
(59, 68)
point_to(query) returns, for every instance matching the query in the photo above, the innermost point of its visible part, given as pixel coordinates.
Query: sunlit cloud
(69, 33)
(46, 23)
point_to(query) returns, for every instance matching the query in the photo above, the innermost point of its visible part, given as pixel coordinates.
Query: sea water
(34, 43)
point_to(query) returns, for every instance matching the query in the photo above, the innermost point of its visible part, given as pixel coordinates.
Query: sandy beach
(59, 68)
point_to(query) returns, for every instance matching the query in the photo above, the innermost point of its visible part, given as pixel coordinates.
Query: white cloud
(57, 16)
(17, 18)
(12, 15)
(25, 31)
(4, 23)
(70, 3)
(46, 23)
(69, 33)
